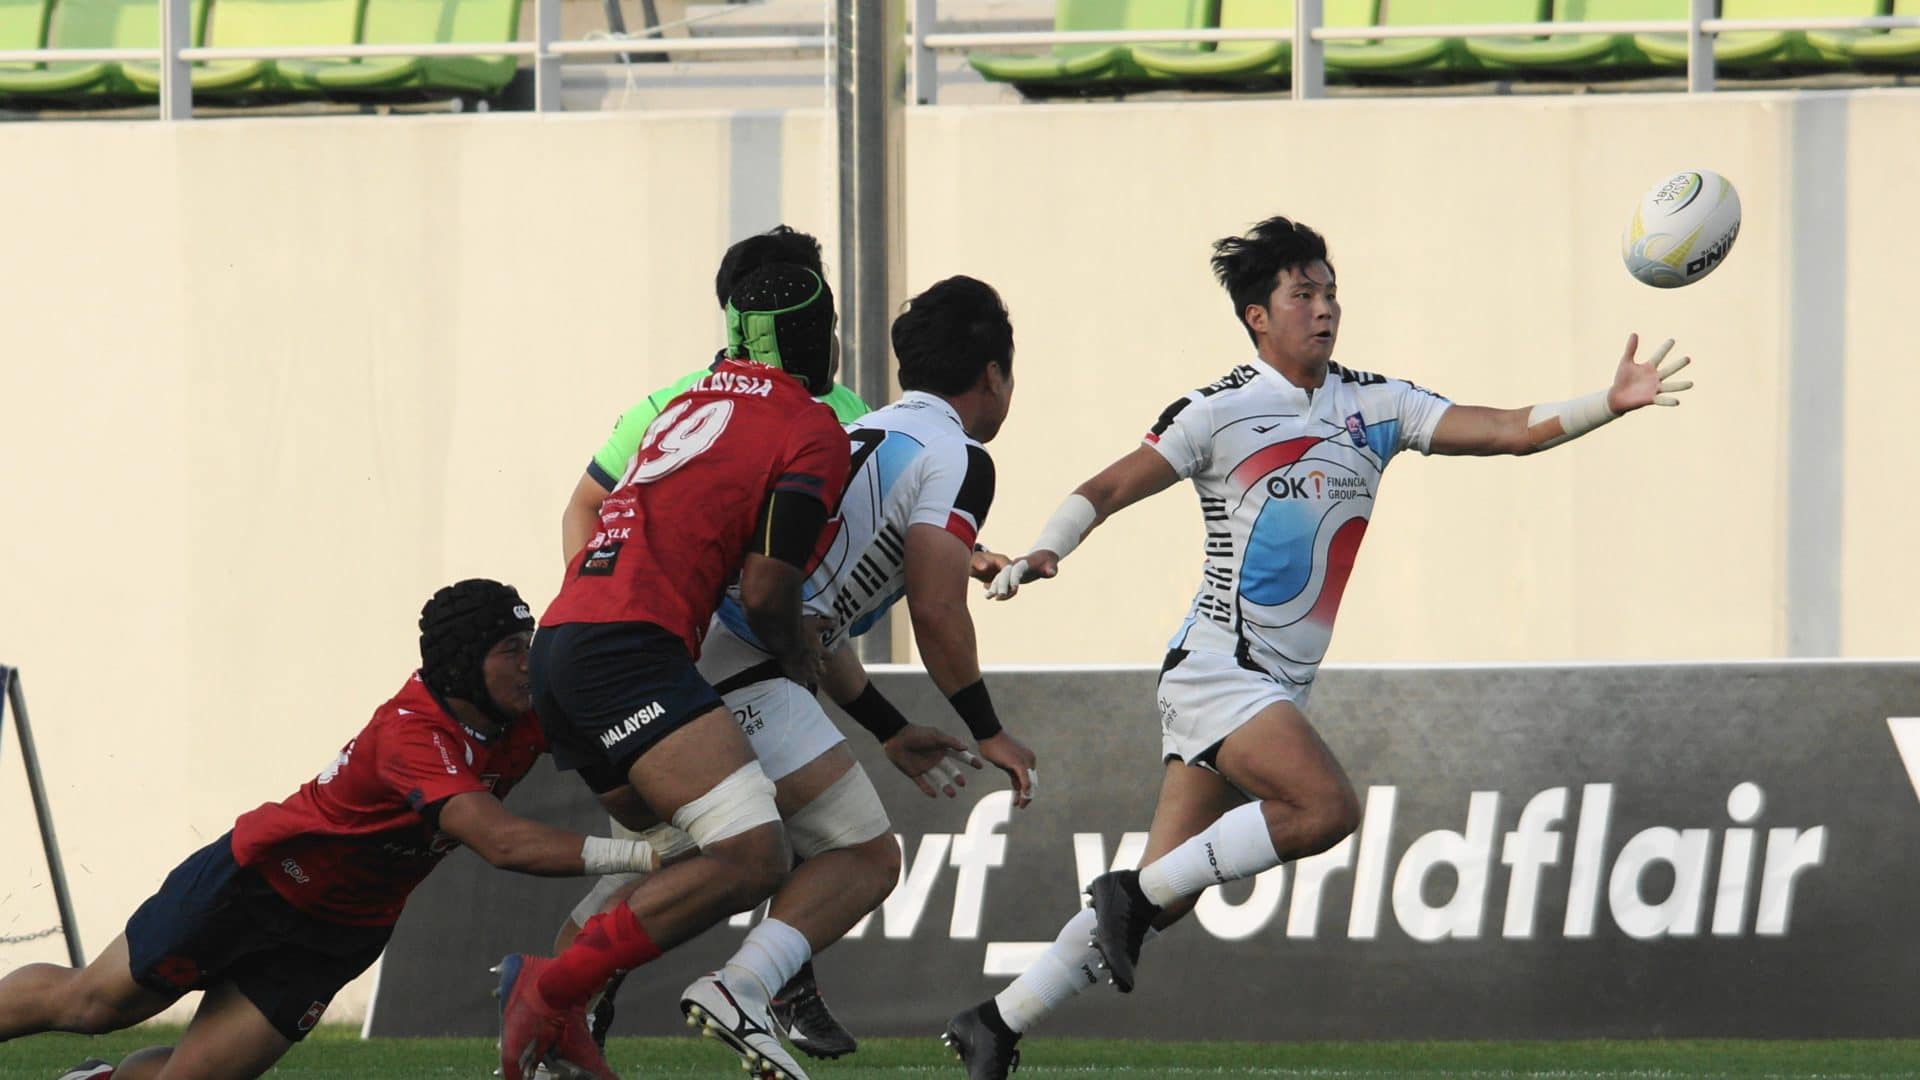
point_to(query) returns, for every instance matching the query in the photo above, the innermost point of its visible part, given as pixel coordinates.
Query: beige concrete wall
(267, 384)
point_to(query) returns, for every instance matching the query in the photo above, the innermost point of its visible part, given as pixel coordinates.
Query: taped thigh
(742, 801)
(847, 813)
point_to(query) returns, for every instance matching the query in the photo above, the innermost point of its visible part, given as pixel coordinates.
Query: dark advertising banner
(1546, 852)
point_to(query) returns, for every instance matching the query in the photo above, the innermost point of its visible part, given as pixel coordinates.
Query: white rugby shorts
(785, 723)
(1209, 696)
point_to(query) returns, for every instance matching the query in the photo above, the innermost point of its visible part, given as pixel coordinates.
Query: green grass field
(338, 1052)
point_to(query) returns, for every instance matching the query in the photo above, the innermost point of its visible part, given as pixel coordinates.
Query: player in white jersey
(1286, 452)
(919, 489)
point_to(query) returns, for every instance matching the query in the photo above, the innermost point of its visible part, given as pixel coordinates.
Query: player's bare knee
(758, 862)
(883, 855)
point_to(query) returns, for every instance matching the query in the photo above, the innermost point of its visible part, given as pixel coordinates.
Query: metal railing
(1308, 35)
(924, 43)
(175, 57)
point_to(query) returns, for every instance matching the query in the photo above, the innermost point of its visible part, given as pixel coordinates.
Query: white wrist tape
(1068, 525)
(603, 855)
(1577, 416)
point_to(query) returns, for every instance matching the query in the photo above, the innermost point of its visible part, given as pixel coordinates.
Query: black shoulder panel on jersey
(1167, 415)
(976, 491)
(1364, 378)
(1232, 380)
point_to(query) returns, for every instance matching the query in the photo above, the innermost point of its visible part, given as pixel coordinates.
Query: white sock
(1069, 966)
(773, 953)
(1235, 846)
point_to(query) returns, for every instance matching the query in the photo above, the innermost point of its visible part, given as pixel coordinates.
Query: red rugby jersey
(676, 529)
(352, 842)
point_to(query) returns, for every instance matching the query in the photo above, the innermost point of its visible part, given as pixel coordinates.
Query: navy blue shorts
(215, 921)
(606, 692)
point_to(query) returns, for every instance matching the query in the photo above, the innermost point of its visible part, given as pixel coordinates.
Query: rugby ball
(1682, 230)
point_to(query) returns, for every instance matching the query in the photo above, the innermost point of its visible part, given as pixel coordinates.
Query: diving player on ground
(1286, 453)
(301, 895)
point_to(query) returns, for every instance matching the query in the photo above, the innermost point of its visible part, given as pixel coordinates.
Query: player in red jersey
(734, 481)
(299, 898)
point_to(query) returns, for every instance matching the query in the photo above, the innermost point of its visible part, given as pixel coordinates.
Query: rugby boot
(1123, 916)
(90, 1069)
(744, 1021)
(533, 1033)
(804, 1019)
(983, 1042)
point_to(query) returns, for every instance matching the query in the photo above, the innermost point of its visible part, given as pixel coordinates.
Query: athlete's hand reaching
(1012, 757)
(930, 758)
(1032, 566)
(1638, 385)
(806, 663)
(986, 565)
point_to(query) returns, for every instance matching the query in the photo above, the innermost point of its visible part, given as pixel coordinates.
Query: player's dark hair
(948, 335)
(779, 244)
(782, 316)
(458, 627)
(1249, 266)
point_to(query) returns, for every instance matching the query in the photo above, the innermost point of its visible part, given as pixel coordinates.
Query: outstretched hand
(931, 758)
(1012, 757)
(1030, 567)
(1637, 385)
(986, 565)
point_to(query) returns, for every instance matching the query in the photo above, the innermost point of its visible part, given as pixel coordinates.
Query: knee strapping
(847, 813)
(744, 800)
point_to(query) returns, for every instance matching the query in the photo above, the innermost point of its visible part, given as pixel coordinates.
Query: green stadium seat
(1592, 55)
(1422, 58)
(414, 22)
(1069, 67)
(261, 22)
(93, 24)
(1873, 50)
(1248, 61)
(23, 25)
(1761, 49)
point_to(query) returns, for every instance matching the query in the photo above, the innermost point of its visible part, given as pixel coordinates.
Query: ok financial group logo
(1735, 876)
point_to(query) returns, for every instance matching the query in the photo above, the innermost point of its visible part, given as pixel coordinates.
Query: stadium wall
(269, 382)
(1583, 851)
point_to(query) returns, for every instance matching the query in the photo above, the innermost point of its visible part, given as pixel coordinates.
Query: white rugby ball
(1682, 230)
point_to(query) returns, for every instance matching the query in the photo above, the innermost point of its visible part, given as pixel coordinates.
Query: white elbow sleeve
(1577, 416)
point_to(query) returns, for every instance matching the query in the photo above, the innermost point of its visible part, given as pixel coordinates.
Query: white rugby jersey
(1287, 479)
(913, 464)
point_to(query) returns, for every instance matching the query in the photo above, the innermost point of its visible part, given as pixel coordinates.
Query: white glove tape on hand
(1577, 416)
(607, 856)
(1007, 581)
(942, 776)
